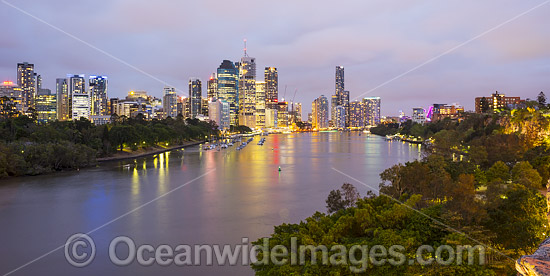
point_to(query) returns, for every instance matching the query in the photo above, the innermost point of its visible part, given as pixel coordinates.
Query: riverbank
(145, 152)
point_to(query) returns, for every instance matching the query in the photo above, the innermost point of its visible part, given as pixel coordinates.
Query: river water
(185, 196)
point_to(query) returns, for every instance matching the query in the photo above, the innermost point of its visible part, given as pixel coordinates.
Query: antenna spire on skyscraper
(245, 54)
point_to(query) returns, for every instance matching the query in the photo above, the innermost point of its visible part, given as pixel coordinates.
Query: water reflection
(245, 196)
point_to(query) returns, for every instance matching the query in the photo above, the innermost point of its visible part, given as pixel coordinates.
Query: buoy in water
(279, 168)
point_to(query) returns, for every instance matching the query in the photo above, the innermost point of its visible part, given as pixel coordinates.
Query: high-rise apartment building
(27, 82)
(340, 117)
(320, 113)
(372, 110)
(98, 94)
(282, 114)
(356, 114)
(228, 87)
(80, 98)
(195, 97)
(170, 102)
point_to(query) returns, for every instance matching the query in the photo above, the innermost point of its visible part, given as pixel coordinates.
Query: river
(187, 196)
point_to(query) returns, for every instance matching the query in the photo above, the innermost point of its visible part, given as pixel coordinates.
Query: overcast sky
(375, 40)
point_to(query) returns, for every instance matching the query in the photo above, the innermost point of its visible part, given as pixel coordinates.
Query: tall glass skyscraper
(98, 95)
(247, 91)
(271, 87)
(195, 97)
(228, 88)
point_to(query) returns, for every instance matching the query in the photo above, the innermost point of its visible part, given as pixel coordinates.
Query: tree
(524, 174)
(335, 202)
(350, 193)
(541, 99)
(499, 170)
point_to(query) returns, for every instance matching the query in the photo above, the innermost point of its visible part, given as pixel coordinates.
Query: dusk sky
(374, 40)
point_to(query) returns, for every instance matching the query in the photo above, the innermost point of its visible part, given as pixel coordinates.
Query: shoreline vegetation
(30, 148)
(478, 184)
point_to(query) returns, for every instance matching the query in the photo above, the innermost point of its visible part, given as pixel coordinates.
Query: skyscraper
(341, 94)
(80, 98)
(320, 113)
(170, 102)
(282, 114)
(372, 110)
(228, 87)
(333, 105)
(339, 91)
(356, 114)
(247, 91)
(26, 81)
(260, 104)
(219, 112)
(212, 87)
(98, 94)
(64, 100)
(46, 105)
(195, 97)
(271, 87)
(340, 117)
(298, 111)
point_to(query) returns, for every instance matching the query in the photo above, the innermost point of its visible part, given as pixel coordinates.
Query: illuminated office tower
(247, 90)
(183, 107)
(195, 97)
(46, 105)
(80, 98)
(356, 114)
(320, 113)
(372, 110)
(26, 81)
(218, 111)
(282, 114)
(170, 102)
(271, 87)
(228, 88)
(260, 104)
(64, 100)
(98, 94)
(212, 87)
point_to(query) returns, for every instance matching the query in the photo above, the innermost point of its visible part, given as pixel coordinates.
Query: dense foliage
(479, 183)
(29, 148)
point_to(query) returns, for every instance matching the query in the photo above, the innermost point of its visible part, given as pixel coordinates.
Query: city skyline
(512, 59)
